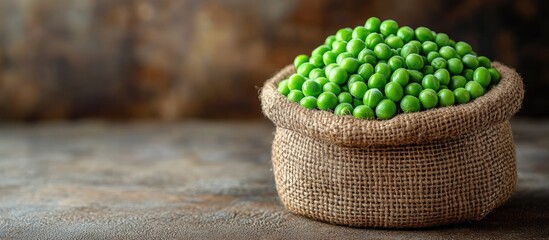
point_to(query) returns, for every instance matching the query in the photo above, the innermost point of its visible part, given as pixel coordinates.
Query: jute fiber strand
(441, 166)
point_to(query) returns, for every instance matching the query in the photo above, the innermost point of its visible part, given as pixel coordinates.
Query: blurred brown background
(172, 59)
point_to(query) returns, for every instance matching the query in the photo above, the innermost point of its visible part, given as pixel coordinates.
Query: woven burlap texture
(441, 166)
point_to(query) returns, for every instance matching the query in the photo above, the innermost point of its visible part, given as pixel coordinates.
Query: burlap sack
(436, 167)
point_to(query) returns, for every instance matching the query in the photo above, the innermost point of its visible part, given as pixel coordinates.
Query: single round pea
(311, 88)
(468, 74)
(463, 48)
(388, 27)
(300, 59)
(484, 62)
(308, 102)
(424, 34)
(305, 68)
(355, 78)
(342, 56)
(339, 47)
(495, 76)
(321, 81)
(408, 49)
(394, 42)
(372, 24)
(401, 77)
(443, 76)
(442, 39)
(360, 32)
(410, 104)
(428, 47)
(394, 91)
(474, 89)
(364, 53)
(405, 33)
(338, 75)
(415, 76)
(329, 57)
(445, 98)
(413, 89)
(343, 109)
(430, 82)
(470, 61)
(329, 68)
(396, 62)
(371, 59)
(377, 80)
(447, 52)
(372, 97)
(461, 95)
(432, 55)
(455, 66)
(326, 101)
(331, 87)
(350, 64)
(365, 70)
(451, 43)
(330, 40)
(345, 97)
(482, 76)
(295, 96)
(439, 63)
(316, 73)
(363, 112)
(358, 89)
(316, 61)
(383, 68)
(428, 69)
(344, 34)
(283, 87)
(417, 44)
(414, 61)
(320, 50)
(355, 46)
(456, 82)
(428, 98)
(382, 51)
(386, 109)
(373, 40)
(296, 81)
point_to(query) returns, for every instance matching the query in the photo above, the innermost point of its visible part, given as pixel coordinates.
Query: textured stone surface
(202, 180)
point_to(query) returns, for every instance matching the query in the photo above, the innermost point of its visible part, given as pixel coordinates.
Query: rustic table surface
(203, 180)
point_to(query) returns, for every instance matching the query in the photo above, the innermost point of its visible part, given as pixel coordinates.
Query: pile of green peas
(380, 69)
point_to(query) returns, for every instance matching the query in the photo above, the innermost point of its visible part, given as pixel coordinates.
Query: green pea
(300, 59)
(484, 62)
(442, 39)
(326, 101)
(394, 91)
(383, 68)
(428, 98)
(424, 34)
(360, 32)
(308, 102)
(372, 97)
(345, 97)
(372, 24)
(443, 76)
(495, 76)
(463, 48)
(455, 66)
(396, 62)
(410, 104)
(428, 69)
(429, 47)
(320, 50)
(296, 81)
(401, 77)
(311, 88)
(305, 68)
(295, 96)
(461, 95)
(321, 81)
(405, 33)
(316, 61)
(430, 82)
(377, 80)
(338, 75)
(386, 109)
(415, 76)
(344, 34)
(457, 82)
(342, 56)
(468, 74)
(283, 87)
(474, 89)
(344, 88)
(343, 109)
(417, 44)
(363, 112)
(355, 78)
(358, 89)
(433, 55)
(445, 98)
(373, 39)
(316, 73)
(451, 43)
(355, 46)
(339, 47)
(382, 51)
(439, 63)
(414, 61)
(365, 70)
(413, 89)
(482, 76)
(388, 27)
(329, 57)
(408, 49)
(357, 102)
(443, 87)
(330, 40)
(394, 42)
(329, 68)
(350, 64)
(366, 58)
(448, 52)
(470, 61)
(331, 87)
